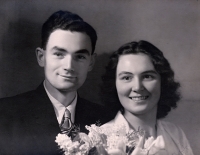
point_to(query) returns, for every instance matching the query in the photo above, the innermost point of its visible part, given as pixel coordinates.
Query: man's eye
(81, 57)
(58, 54)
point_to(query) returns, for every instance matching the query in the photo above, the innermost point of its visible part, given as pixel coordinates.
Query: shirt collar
(119, 120)
(60, 108)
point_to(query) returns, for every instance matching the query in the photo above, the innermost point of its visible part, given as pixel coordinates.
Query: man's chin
(67, 88)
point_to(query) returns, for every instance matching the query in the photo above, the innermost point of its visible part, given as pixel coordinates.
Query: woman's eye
(148, 77)
(126, 78)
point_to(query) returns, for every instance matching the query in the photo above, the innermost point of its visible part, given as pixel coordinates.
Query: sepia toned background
(171, 25)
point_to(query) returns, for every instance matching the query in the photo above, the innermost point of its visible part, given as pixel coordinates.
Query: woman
(139, 84)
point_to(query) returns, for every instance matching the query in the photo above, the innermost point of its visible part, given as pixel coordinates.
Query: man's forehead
(81, 51)
(69, 40)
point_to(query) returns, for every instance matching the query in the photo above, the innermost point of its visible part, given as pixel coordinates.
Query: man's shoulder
(94, 111)
(89, 104)
(21, 102)
(23, 97)
(91, 107)
(17, 98)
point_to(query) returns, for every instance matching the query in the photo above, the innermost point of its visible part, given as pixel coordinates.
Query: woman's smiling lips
(139, 98)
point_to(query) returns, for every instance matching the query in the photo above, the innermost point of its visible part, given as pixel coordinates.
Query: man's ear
(40, 56)
(92, 62)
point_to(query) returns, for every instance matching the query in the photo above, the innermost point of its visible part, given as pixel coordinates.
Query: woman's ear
(40, 56)
(92, 61)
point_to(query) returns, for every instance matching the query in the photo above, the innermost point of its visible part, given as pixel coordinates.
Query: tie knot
(67, 113)
(66, 123)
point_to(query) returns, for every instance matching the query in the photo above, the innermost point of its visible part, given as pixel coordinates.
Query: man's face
(66, 60)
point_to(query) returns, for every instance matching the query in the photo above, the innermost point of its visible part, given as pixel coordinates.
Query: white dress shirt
(60, 108)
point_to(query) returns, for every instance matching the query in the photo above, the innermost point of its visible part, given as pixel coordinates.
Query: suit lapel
(79, 114)
(83, 115)
(44, 125)
(43, 112)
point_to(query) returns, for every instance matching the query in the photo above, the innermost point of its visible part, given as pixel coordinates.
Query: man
(29, 122)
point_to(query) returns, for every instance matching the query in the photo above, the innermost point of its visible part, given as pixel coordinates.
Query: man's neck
(64, 97)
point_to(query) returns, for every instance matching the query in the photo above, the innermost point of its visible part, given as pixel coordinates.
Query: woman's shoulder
(108, 125)
(170, 127)
(178, 136)
(118, 124)
(167, 124)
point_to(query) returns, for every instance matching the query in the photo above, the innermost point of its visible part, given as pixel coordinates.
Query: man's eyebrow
(58, 49)
(83, 51)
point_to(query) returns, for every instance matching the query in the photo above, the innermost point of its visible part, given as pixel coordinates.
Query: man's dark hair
(169, 88)
(66, 20)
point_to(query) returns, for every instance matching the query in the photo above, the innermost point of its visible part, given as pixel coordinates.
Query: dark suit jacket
(28, 124)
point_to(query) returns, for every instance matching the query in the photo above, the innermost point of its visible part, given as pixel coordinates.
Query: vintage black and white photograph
(99, 77)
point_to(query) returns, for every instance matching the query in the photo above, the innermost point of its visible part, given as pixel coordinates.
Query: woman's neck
(146, 122)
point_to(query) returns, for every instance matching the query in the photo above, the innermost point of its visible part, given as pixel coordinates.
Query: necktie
(66, 124)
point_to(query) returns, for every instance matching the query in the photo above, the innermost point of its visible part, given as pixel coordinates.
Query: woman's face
(138, 84)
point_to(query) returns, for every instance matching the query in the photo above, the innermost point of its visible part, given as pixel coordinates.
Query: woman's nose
(137, 85)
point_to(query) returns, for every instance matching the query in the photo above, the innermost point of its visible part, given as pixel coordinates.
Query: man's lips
(68, 76)
(138, 98)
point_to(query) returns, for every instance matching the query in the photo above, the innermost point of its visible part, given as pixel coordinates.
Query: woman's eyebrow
(150, 72)
(124, 73)
(145, 72)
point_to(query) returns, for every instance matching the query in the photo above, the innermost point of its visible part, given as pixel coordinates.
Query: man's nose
(68, 63)
(137, 85)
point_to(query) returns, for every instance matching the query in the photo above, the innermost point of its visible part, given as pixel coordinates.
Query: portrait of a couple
(138, 89)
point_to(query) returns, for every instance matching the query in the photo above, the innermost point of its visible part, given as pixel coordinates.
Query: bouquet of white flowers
(100, 141)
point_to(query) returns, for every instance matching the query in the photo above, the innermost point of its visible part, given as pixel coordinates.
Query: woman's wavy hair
(169, 88)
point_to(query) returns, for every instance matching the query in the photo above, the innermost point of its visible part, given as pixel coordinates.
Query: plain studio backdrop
(171, 25)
